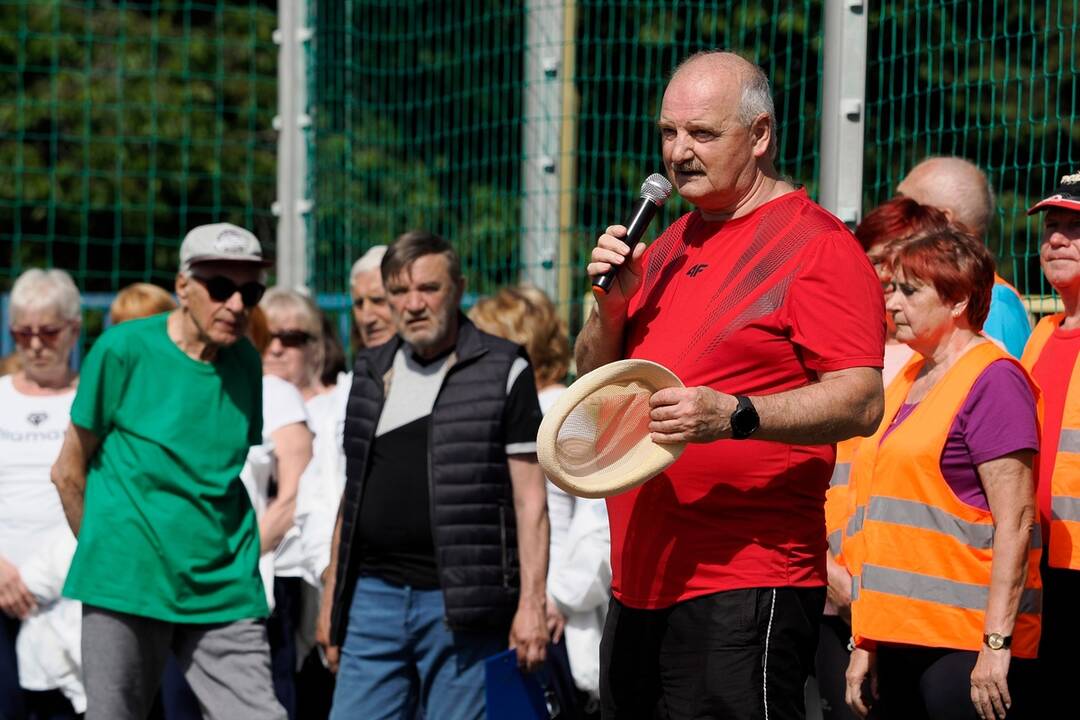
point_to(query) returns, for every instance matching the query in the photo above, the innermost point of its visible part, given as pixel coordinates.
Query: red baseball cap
(1066, 197)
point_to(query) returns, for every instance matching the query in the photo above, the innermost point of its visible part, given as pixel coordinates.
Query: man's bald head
(954, 185)
(755, 96)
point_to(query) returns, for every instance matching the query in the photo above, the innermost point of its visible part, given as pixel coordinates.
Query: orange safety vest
(1065, 481)
(920, 558)
(840, 497)
(837, 505)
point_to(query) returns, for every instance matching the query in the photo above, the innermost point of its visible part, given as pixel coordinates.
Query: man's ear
(761, 132)
(181, 286)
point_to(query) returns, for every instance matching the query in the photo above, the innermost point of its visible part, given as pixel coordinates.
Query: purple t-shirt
(997, 418)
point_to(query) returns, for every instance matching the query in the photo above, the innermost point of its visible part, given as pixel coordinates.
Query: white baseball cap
(595, 440)
(220, 242)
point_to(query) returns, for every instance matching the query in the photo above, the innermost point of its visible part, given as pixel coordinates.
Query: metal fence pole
(291, 122)
(843, 106)
(540, 143)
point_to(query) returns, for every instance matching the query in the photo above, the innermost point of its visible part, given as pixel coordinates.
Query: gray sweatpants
(226, 664)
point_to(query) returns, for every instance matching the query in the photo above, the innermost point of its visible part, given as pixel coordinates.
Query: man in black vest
(441, 542)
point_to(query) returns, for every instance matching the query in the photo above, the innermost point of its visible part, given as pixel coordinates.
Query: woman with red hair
(882, 230)
(942, 543)
(883, 227)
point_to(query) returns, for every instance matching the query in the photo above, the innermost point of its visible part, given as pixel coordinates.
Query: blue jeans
(400, 657)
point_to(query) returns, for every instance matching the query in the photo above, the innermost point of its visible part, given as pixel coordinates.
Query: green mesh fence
(992, 82)
(123, 124)
(419, 108)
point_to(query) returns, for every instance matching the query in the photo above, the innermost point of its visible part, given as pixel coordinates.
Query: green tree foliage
(995, 83)
(418, 124)
(123, 124)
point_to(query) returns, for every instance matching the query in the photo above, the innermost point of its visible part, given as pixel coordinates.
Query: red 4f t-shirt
(752, 306)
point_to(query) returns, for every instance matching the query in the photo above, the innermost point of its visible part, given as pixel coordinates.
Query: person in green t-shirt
(168, 551)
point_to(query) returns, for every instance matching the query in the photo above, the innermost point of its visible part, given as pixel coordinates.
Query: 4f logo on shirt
(692, 272)
(36, 419)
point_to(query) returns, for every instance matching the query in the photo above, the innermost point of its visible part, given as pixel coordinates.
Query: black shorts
(737, 655)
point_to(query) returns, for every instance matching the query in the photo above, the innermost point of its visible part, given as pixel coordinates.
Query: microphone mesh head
(656, 189)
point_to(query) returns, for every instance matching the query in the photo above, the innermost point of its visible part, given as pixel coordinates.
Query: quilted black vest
(472, 504)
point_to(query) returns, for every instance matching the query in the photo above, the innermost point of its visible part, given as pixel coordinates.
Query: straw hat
(595, 441)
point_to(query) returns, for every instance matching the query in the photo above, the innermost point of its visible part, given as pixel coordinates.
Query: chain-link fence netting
(124, 124)
(419, 116)
(993, 82)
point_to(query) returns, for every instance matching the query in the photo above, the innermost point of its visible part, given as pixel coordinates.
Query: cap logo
(230, 242)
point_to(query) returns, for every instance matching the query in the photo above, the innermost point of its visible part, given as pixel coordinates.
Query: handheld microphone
(654, 191)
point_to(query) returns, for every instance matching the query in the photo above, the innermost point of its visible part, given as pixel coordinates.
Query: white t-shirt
(320, 491)
(579, 570)
(282, 405)
(35, 537)
(560, 503)
(32, 430)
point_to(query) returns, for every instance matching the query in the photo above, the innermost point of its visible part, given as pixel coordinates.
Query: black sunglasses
(292, 338)
(222, 288)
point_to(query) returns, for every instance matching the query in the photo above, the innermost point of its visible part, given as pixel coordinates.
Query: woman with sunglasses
(289, 340)
(37, 626)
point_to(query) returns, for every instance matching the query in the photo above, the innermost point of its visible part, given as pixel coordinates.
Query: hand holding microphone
(618, 245)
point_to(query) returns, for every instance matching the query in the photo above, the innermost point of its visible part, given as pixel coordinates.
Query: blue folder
(511, 693)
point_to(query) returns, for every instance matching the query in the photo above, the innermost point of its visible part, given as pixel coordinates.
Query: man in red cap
(1053, 358)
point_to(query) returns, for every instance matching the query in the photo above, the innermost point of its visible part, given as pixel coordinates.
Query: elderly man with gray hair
(371, 313)
(960, 189)
(768, 310)
(168, 545)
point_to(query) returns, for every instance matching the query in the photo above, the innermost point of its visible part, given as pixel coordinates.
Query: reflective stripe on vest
(928, 517)
(938, 590)
(1063, 508)
(841, 475)
(1064, 543)
(922, 556)
(856, 522)
(837, 502)
(1069, 441)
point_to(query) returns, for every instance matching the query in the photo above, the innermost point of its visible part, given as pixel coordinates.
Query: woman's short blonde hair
(526, 315)
(139, 300)
(53, 289)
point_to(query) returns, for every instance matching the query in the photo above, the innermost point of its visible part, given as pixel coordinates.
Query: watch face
(744, 421)
(995, 641)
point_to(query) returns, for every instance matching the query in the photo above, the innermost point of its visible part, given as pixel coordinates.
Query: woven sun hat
(595, 441)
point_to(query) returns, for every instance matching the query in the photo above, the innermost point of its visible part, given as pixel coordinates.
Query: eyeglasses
(48, 334)
(292, 338)
(222, 288)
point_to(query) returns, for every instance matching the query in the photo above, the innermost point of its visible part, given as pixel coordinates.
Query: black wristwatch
(745, 420)
(997, 641)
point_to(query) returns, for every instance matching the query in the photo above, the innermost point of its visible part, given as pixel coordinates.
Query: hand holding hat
(596, 440)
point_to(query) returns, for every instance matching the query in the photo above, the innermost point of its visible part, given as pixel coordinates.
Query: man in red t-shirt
(767, 309)
(1053, 358)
